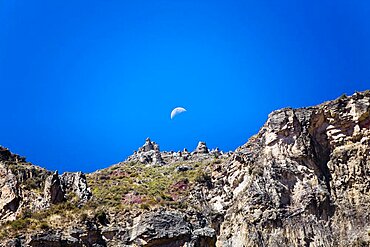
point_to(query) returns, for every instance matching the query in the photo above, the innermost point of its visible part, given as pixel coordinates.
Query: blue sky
(85, 82)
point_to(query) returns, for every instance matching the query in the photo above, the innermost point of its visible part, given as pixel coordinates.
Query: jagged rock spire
(149, 153)
(201, 148)
(53, 190)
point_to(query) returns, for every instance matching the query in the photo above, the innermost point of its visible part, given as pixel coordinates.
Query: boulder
(184, 168)
(160, 228)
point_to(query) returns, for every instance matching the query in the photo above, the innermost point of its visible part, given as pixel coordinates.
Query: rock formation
(53, 190)
(201, 148)
(9, 194)
(149, 153)
(56, 187)
(26, 188)
(302, 180)
(76, 183)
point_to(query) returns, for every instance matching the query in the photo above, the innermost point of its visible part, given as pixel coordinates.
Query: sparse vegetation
(141, 186)
(20, 224)
(40, 219)
(31, 177)
(116, 189)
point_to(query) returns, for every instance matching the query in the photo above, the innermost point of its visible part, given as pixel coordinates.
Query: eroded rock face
(57, 186)
(160, 228)
(9, 194)
(76, 182)
(201, 148)
(302, 181)
(149, 153)
(28, 188)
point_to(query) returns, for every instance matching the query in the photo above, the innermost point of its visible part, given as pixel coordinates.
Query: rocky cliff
(302, 180)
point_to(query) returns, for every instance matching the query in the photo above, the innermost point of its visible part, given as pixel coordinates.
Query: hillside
(302, 180)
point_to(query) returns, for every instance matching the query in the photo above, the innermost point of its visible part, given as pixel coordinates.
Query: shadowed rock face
(57, 186)
(53, 190)
(302, 180)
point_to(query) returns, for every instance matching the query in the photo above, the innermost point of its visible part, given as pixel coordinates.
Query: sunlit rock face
(201, 148)
(302, 180)
(149, 153)
(26, 188)
(9, 195)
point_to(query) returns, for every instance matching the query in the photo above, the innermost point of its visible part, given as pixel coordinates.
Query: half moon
(177, 111)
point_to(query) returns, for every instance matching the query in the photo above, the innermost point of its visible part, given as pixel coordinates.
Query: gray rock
(14, 243)
(159, 228)
(76, 182)
(205, 237)
(149, 153)
(53, 240)
(302, 180)
(183, 168)
(53, 190)
(149, 146)
(201, 148)
(9, 194)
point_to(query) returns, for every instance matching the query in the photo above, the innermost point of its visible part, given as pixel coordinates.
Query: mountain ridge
(302, 180)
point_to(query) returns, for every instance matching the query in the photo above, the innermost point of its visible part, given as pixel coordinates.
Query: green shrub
(44, 225)
(20, 224)
(145, 206)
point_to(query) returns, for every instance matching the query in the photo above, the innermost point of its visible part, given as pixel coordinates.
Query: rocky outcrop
(9, 194)
(19, 184)
(158, 229)
(169, 229)
(58, 186)
(149, 153)
(201, 148)
(162, 229)
(76, 183)
(26, 188)
(7, 156)
(302, 180)
(53, 191)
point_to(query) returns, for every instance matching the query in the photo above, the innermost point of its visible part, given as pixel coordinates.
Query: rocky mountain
(302, 180)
